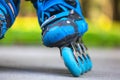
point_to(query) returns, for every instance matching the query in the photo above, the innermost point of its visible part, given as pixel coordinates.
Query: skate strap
(67, 5)
(70, 16)
(54, 18)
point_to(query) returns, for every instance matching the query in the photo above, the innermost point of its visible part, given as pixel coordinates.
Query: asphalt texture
(41, 63)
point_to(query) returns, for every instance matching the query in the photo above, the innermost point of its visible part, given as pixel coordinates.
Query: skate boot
(63, 26)
(8, 12)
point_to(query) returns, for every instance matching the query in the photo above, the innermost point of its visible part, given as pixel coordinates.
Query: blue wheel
(89, 62)
(86, 57)
(74, 65)
(86, 63)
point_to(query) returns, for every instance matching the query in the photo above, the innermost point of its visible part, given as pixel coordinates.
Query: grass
(26, 31)
(97, 36)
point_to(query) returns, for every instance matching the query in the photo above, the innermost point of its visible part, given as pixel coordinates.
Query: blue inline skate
(8, 12)
(63, 26)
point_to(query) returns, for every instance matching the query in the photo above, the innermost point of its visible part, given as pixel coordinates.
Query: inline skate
(63, 26)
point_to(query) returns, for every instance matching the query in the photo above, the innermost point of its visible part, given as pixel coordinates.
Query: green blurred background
(103, 17)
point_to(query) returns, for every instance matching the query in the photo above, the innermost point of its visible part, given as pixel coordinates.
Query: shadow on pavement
(40, 70)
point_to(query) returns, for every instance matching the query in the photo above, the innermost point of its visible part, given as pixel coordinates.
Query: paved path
(38, 63)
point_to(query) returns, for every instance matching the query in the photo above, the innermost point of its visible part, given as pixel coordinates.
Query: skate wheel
(86, 65)
(73, 65)
(89, 62)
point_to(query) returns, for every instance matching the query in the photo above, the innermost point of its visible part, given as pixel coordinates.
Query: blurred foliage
(98, 36)
(26, 31)
(26, 9)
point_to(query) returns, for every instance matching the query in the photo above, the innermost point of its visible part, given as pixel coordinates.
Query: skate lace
(56, 9)
(53, 10)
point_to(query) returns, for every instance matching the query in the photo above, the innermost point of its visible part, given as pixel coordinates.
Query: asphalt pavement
(41, 63)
